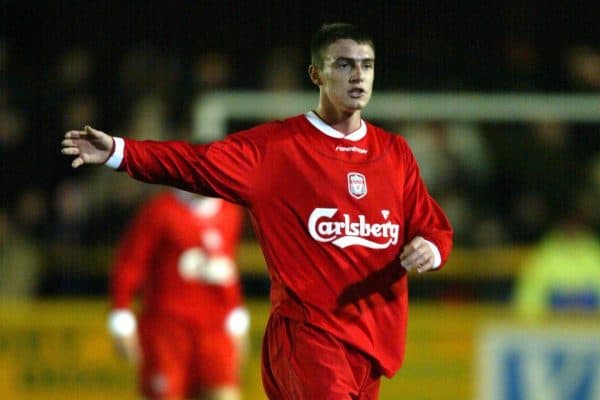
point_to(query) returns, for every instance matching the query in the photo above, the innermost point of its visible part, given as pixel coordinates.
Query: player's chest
(316, 179)
(187, 230)
(349, 204)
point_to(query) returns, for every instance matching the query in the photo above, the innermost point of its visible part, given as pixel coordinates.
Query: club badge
(357, 185)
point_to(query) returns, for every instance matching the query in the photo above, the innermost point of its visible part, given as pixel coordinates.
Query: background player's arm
(132, 265)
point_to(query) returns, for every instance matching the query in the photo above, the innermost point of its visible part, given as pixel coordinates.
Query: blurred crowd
(501, 183)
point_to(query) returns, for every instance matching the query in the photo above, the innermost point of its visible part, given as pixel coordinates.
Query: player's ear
(313, 73)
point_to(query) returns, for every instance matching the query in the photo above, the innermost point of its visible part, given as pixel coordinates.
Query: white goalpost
(213, 111)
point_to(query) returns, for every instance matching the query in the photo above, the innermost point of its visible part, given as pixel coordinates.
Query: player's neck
(343, 122)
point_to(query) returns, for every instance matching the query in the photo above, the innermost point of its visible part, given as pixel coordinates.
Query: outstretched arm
(226, 168)
(90, 146)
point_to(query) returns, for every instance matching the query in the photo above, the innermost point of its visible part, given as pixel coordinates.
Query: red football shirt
(331, 215)
(162, 256)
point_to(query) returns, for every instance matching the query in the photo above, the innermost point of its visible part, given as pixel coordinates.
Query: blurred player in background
(562, 272)
(178, 253)
(341, 213)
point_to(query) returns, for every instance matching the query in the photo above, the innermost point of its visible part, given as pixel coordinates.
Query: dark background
(421, 46)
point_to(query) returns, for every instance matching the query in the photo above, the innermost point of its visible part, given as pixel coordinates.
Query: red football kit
(178, 254)
(332, 214)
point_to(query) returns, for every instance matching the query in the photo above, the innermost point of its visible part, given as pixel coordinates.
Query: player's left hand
(417, 254)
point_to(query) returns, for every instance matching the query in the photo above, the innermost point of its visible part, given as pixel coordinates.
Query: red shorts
(300, 361)
(180, 360)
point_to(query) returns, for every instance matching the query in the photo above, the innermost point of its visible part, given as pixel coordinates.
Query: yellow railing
(464, 264)
(59, 349)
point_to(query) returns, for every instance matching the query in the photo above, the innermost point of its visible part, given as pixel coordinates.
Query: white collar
(205, 207)
(318, 123)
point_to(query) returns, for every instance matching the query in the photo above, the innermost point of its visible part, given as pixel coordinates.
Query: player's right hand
(90, 146)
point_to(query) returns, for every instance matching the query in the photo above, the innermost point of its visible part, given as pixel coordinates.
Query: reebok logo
(347, 231)
(351, 149)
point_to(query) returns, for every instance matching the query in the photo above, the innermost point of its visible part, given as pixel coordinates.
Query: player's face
(346, 78)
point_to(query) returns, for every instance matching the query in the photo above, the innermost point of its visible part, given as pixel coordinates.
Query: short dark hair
(329, 33)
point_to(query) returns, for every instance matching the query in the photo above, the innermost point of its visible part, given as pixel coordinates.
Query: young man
(178, 254)
(341, 214)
